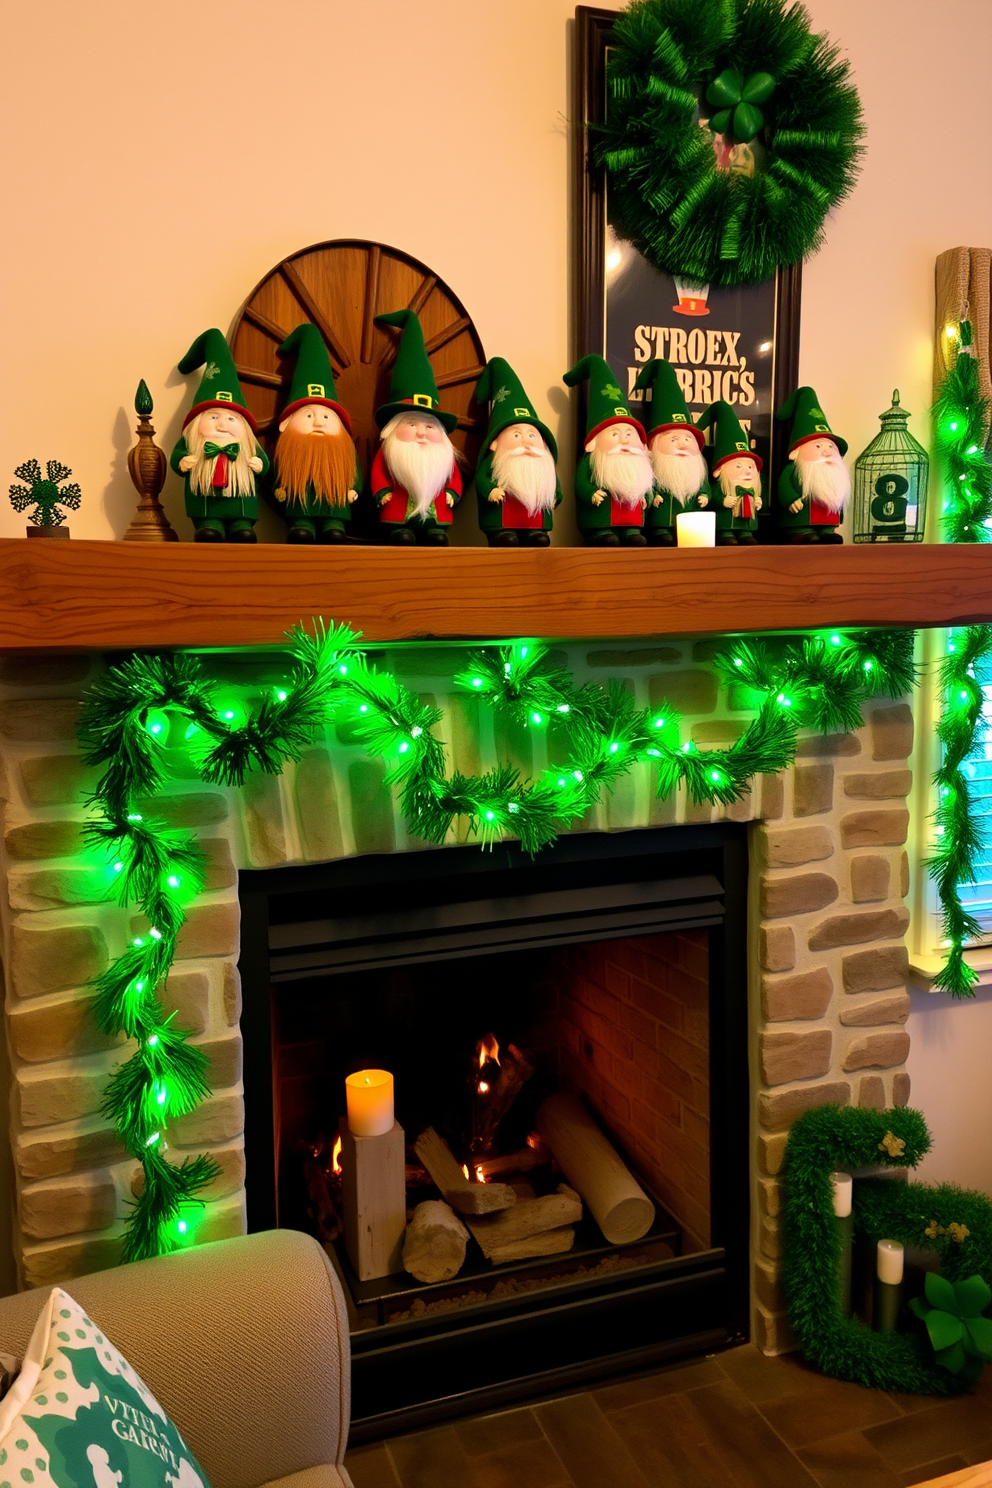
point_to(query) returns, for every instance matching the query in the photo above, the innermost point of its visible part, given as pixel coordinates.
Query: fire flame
(480, 1176)
(466, 1171)
(483, 1088)
(336, 1156)
(487, 1048)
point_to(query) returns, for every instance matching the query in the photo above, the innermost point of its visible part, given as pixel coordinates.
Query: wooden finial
(147, 468)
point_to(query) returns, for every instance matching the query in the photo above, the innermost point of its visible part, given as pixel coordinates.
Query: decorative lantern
(890, 483)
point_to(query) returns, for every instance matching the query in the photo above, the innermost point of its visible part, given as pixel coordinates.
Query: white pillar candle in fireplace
(696, 529)
(370, 1102)
(890, 1261)
(843, 1186)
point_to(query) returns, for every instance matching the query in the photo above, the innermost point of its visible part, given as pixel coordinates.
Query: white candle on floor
(890, 1261)
(370, 1102)
(843, 1185)
(696, 529)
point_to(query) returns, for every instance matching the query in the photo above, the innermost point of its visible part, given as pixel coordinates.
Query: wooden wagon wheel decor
(340, 287)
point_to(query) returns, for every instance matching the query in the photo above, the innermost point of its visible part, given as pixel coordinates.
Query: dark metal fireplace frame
(566, 1335)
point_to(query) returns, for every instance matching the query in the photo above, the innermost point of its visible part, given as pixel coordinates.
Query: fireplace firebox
(617, 964)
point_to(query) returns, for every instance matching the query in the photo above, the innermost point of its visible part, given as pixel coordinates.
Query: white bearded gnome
(676, 449)
(515, 480)
(416, 483)
(614, 480)
(815, 485)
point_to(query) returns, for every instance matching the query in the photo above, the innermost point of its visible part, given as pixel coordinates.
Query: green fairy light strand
(596, 734)
(960, 417)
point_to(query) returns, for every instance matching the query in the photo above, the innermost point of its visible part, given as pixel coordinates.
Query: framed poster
(741, 345)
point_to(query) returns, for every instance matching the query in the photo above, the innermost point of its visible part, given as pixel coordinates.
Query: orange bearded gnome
(316, 474)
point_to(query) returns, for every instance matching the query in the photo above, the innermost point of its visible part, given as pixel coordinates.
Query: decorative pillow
(77, 1415)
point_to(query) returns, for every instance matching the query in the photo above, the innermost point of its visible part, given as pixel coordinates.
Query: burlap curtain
(964, 281)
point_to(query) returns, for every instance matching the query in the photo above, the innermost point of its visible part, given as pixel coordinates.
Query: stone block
(463, 714)
(54, 888)
(744, 810)
(903, 874)
(854, 929)
(317, 815)
(31, 670)
(44, 839)
(820, 746)
(217, 1120)
(892, 733)
(57, 779)
(813, 789)
(232, 994)
(767, 1287)
(807, 994)
(874, 828)
(770, 1238)
(789, 847)
(875, 970)
(772, 1332)
(39, 720)
(769, 1198)
(771, 1151)
(799, 894)
(884, 785)
(223, 1219)
(877, 1050)
(777, 947)
(778, 1109)
(870, 878)
(67, 1206)
(698, 812)
(61, 1029)
(372, 822)
(52, 1263)
(264, 821)
(788, 1056)
(210, 930)
(50, 958)
(901, 1085)
(871, 1093)
(219, 871)
(75, 1147)
(874, 1011)
(618, 658)
(224, 1056)
(187, 995)
(690, 691)
(514, 743)
(47, 1094)
(192, 809)
(721, 731)
(231, 1161)
(772, 797)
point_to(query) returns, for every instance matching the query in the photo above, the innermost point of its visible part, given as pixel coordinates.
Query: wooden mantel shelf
(105, 595)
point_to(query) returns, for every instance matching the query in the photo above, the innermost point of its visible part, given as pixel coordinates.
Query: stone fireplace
(827, 964)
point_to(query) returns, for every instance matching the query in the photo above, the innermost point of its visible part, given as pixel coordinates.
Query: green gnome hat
(500, 386)
(412, 386)
(313, 380)
(606, 402)
(669, 409)
(808, 420)
(219, 385)
(729, 440)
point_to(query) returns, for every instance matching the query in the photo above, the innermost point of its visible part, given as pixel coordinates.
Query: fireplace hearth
(617, 962)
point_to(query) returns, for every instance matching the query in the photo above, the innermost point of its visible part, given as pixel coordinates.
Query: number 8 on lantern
(890, 483)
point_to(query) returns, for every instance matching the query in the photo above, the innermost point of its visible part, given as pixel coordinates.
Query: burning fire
(480, 1176)
(483, 1088)
(487, 1048)
(466, 1171)
(336, 1156)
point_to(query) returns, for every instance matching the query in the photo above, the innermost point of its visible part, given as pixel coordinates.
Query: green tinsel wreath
(758, 72)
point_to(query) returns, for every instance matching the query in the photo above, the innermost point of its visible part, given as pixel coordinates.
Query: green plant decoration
(954, 1222)
(952, 1313)
(44, 492)
(767, 74)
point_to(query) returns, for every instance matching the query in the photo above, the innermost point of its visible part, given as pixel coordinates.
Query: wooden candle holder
(373, 1190)
(147, 466)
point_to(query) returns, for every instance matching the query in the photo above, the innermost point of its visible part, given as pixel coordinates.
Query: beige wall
(391, 121)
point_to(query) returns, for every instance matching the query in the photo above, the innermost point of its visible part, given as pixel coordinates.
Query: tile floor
(735, 1418)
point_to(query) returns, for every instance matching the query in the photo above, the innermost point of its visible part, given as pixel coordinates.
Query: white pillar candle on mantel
(843, 1186)
(370, 1102)
(890, 1262)
(696, 529)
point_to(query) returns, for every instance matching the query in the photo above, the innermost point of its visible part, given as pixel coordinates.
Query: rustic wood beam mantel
(106, 595)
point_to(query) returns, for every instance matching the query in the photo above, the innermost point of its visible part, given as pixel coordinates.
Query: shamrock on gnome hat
(815, 485)
(614, 480)
(515, 480)
(317, 475)
(217, 453)
(736, 469)
(675, 446)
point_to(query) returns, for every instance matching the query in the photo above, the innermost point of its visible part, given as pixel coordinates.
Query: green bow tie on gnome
(736, 100)
(230, 450)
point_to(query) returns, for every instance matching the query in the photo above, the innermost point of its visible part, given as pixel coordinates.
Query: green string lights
(595, 734)
(961, 429)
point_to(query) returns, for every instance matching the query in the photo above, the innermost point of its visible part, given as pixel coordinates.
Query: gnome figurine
(734, 475)
(614, 480)
(416, 483)
(217, 452)
(675, 446)
(515, 480)
(814, 486)
(316, 475)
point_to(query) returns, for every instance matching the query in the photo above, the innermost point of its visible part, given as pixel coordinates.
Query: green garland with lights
(600, 734)
(960, 417)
